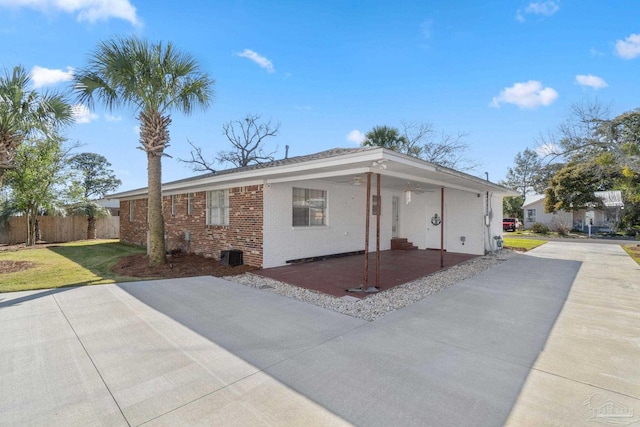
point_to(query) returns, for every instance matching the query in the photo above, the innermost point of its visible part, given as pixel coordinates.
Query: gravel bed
(379, 304)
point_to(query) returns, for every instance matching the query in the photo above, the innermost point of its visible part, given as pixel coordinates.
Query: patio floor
(334, 276)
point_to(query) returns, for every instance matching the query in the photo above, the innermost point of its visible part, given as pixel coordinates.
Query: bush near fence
(60, 229)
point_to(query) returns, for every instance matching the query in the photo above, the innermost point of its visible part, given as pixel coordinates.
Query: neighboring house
(601, 219)
(112, 204)
(316, 205)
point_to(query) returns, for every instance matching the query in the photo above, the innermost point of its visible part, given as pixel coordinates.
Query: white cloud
(86, 10)
(591, 81)
(529, 94)
(629, 48)
(257, 58)
(82, 114)
(41, 76)
(519, 16)
(356, 137)
(110, 118)
(546, 8)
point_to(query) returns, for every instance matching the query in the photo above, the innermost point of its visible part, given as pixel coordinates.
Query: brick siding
(133, 232)
(244, 232)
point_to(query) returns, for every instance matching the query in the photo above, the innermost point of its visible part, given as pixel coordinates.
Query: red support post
(366, 234)
(441, 227)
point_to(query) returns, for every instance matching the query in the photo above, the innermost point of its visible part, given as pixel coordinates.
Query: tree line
(39, 174)
(588, 152)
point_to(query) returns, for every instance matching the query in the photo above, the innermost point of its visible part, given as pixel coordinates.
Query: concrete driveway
(546, 338)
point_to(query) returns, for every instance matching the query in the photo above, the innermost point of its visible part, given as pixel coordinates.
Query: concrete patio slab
(47, 377)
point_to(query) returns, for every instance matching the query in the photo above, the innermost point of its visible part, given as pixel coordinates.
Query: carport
(334, 276)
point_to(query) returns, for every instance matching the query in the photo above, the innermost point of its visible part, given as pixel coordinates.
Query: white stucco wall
(464, 216)
(344, 232)
(464, 212)
(495, 221)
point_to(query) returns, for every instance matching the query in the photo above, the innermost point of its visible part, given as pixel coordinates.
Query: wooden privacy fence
(60, 229)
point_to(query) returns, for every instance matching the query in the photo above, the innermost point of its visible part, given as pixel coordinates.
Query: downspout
(377, 288)
(487, 217)
(442, 227)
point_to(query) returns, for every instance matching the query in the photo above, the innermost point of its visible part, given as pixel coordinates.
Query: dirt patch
(15, 266)
(178, 265)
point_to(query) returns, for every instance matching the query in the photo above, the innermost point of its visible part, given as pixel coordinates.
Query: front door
(395, 217)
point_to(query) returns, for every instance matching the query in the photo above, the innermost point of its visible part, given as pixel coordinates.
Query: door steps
(402, 244)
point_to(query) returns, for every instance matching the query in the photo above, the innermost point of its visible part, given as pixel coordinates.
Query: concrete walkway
(546, 338)
(589, 371)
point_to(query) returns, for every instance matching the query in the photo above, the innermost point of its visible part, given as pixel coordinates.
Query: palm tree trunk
(91, 227)
(157, 254)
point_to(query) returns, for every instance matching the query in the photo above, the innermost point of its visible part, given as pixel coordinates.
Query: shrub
(540, 228)
(562, 230)
(561, 225)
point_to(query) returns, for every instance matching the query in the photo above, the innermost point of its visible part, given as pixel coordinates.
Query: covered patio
(334, 276)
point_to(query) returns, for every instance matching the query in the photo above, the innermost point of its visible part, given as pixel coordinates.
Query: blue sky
(503, 71)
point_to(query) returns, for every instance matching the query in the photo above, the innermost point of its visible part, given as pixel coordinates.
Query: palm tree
(25, 112)
(153, 79)
(385, 137)
(93, 211)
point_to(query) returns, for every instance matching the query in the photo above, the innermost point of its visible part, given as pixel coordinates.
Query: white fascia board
(320, 175)
(403, 159)
(344, 160)
(430, 167)
(198, 186)
(483, 183)
(414, 178)
(128, 195)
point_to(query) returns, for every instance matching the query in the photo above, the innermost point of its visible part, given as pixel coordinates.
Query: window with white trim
(531, 215)
(190, 204)
(131, 210)
(174, 204)
(309, 207)
(218, 207)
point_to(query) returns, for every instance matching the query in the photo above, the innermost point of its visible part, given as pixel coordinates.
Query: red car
(509, 224)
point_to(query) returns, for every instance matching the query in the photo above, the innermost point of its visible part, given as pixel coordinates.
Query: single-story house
(605, 218)
(316, 205)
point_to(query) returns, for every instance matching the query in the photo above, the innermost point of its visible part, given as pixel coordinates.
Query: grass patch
(68, 264)
(633, 251)
(522, 244)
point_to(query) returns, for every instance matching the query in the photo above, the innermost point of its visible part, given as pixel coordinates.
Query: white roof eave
(380, 160)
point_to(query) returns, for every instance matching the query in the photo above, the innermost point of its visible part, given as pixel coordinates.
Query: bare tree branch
(247, 137)
(198, 162)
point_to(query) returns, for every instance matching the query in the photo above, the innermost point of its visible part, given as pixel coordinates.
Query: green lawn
(522, 244)
(77, 263)
(633, 251)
